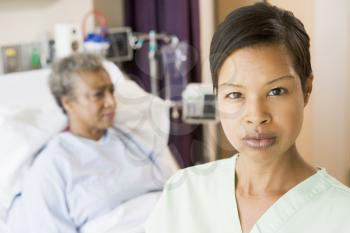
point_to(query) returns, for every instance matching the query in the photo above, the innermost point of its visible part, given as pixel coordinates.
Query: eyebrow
(104, 87)
(273, 81)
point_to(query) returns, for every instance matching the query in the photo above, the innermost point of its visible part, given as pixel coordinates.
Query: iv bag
(176, 67)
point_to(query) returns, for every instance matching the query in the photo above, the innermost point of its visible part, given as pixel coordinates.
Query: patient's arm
(42, 206)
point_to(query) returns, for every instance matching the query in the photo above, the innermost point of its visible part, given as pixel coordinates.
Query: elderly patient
(91, 168)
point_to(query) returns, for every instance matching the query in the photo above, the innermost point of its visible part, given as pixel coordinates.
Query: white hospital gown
(75, 180)
(202, 200)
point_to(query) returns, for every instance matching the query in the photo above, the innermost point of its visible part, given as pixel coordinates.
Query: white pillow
(114, 72)
(142, 113)
(147, 117)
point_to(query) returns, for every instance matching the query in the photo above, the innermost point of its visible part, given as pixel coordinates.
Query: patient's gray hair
(65, 71)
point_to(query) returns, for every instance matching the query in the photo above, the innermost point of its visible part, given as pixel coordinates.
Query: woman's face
(260, 101)
(93, 105)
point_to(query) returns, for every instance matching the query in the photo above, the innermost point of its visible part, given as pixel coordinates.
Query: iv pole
(137, 41)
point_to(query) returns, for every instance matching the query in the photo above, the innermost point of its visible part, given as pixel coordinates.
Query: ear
(308, 89)
(67, 103)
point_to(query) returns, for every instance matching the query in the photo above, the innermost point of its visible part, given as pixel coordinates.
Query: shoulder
(334, 198)
(56, 144)
(48, 171)
(338, 193)
(187, 192)
(52, 155)
(326, 207)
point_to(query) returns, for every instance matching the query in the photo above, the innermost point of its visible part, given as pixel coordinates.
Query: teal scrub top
(202, 199)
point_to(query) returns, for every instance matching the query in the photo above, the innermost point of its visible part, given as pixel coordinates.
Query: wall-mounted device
(199, 104)
(20, 57)
(119, 49)
(11, 58)
(68, 39)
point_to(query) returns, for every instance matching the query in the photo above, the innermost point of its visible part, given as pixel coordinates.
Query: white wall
(207, 27)
(23, 21)
(331, 113)
(113, 10)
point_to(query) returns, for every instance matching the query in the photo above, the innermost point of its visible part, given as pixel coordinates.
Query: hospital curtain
(180, 18)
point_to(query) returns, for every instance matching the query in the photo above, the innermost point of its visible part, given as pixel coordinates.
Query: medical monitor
(120, 49)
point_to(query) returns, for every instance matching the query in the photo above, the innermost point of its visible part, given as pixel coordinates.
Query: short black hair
(261, 24)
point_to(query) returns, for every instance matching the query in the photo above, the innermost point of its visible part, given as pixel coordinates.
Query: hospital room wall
(207, 26)
(112, 10)
(331, 113)
(26, 21)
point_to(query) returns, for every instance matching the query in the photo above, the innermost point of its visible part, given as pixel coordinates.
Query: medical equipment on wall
(20, 57)
(112, 43)
(120, 48)
(96, 42)
(68, 39)
(198, 103)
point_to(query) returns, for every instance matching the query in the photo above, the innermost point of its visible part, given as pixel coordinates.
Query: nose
(257, 113)
(110, 101)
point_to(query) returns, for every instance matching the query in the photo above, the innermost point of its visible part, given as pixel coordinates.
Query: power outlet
(27, 51)
(11, 58)
(17, 58)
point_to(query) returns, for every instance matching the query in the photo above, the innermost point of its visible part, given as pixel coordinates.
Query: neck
(90, 133)
(273, 176)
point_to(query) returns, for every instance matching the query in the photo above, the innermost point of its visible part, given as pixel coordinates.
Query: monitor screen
(120, 49)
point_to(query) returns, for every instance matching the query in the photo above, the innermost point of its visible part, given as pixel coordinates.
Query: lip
(109, 115)
(260, 141)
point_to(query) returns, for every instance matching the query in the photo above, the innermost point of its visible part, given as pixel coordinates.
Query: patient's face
(261, 101)
(93, 106)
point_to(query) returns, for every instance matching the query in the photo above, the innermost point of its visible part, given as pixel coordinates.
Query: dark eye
(277, 91)
(99, 94)
(234, 95)
(111, 90)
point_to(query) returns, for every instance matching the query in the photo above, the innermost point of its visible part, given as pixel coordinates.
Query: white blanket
(129, 217)
(3, 228)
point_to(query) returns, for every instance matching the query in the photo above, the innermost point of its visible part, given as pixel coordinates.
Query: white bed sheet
(130, 217)
(4, 228)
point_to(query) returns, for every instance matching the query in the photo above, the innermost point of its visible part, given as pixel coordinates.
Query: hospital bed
(29, 118)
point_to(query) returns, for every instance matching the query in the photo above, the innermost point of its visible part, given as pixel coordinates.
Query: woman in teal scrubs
(260, 64)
